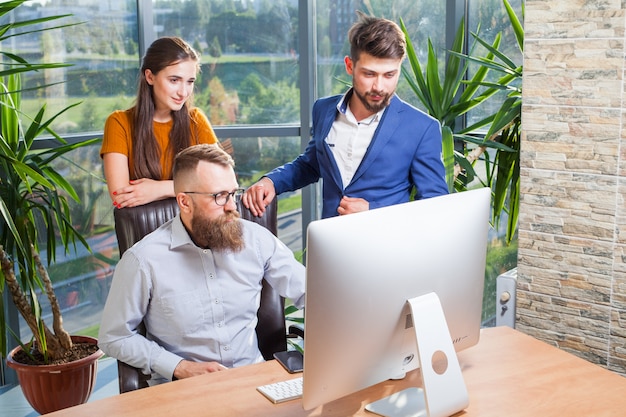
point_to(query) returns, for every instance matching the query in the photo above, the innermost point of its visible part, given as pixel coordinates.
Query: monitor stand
(444, 392)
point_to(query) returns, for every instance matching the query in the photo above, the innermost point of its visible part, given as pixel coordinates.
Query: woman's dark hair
(162, 53)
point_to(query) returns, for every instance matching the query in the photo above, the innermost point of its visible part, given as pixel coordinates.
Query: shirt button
(217, 301)
(227, 347)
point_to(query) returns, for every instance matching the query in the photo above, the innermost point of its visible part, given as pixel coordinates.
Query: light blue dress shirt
(196, 304)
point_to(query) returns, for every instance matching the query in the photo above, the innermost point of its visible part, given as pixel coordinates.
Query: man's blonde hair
(187, 160)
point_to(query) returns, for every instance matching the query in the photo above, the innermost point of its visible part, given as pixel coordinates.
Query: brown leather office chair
(132, 224)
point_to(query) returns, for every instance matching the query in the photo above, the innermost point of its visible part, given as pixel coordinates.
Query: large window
(103, 50)
(263, 64)
(249, 55)
(487, 18)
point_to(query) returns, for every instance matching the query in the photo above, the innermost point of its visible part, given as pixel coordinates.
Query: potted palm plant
(450, 97)
(35, 215)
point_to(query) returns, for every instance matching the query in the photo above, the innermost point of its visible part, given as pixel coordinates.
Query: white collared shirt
(349, 139)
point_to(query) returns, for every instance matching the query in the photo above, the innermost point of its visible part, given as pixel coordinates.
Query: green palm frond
(449, 98)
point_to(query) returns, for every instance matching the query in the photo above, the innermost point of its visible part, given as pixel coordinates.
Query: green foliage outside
(290, 203)
(500, 258)
(91, 331)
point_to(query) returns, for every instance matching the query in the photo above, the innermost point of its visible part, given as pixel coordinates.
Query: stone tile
(571, 139)
(568, 204)
(618, 297)
(617, 344)
(573, 72)
(569, 270)
(620, 215)
(574, 19)
(577, 327)
(622, 149)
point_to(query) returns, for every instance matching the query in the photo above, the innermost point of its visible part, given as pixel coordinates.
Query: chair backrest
(133, 223)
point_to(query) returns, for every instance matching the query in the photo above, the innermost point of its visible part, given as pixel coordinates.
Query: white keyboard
(281, 391)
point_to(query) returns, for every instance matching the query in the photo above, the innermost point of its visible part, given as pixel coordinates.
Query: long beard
(223, 234)
(374, 108)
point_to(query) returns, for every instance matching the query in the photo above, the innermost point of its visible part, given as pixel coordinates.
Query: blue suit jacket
(405, 152)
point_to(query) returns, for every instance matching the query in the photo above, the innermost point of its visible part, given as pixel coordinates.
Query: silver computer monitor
(361, 270)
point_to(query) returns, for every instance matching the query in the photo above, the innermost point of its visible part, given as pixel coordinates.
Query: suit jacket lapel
(329, 118)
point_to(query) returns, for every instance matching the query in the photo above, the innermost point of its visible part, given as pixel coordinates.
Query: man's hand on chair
(259, 195)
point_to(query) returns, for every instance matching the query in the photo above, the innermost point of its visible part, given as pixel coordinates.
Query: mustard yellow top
(117, 137)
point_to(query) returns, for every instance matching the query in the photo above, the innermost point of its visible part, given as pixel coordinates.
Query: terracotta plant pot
(50, 388)
(71, 299)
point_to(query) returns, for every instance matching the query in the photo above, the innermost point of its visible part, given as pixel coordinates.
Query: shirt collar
(342, 107)
(180, 236)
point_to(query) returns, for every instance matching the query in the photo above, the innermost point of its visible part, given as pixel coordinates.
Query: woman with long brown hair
(140, 143)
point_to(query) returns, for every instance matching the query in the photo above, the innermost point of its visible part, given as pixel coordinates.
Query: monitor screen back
(361, 270)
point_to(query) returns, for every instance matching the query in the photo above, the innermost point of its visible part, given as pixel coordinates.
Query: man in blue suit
(369, 147)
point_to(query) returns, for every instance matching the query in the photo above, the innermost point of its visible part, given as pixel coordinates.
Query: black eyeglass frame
(235, 195)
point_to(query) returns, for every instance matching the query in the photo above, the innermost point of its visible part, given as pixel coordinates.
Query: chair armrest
(130, 378)
(296, 330)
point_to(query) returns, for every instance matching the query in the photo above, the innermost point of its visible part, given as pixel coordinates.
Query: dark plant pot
(50, 388)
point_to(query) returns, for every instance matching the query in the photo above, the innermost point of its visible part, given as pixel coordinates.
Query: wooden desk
(507, 374)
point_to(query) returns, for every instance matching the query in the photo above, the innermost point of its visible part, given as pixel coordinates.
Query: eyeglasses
(221, 198)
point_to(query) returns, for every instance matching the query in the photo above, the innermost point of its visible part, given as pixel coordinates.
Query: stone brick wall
(572, 256)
